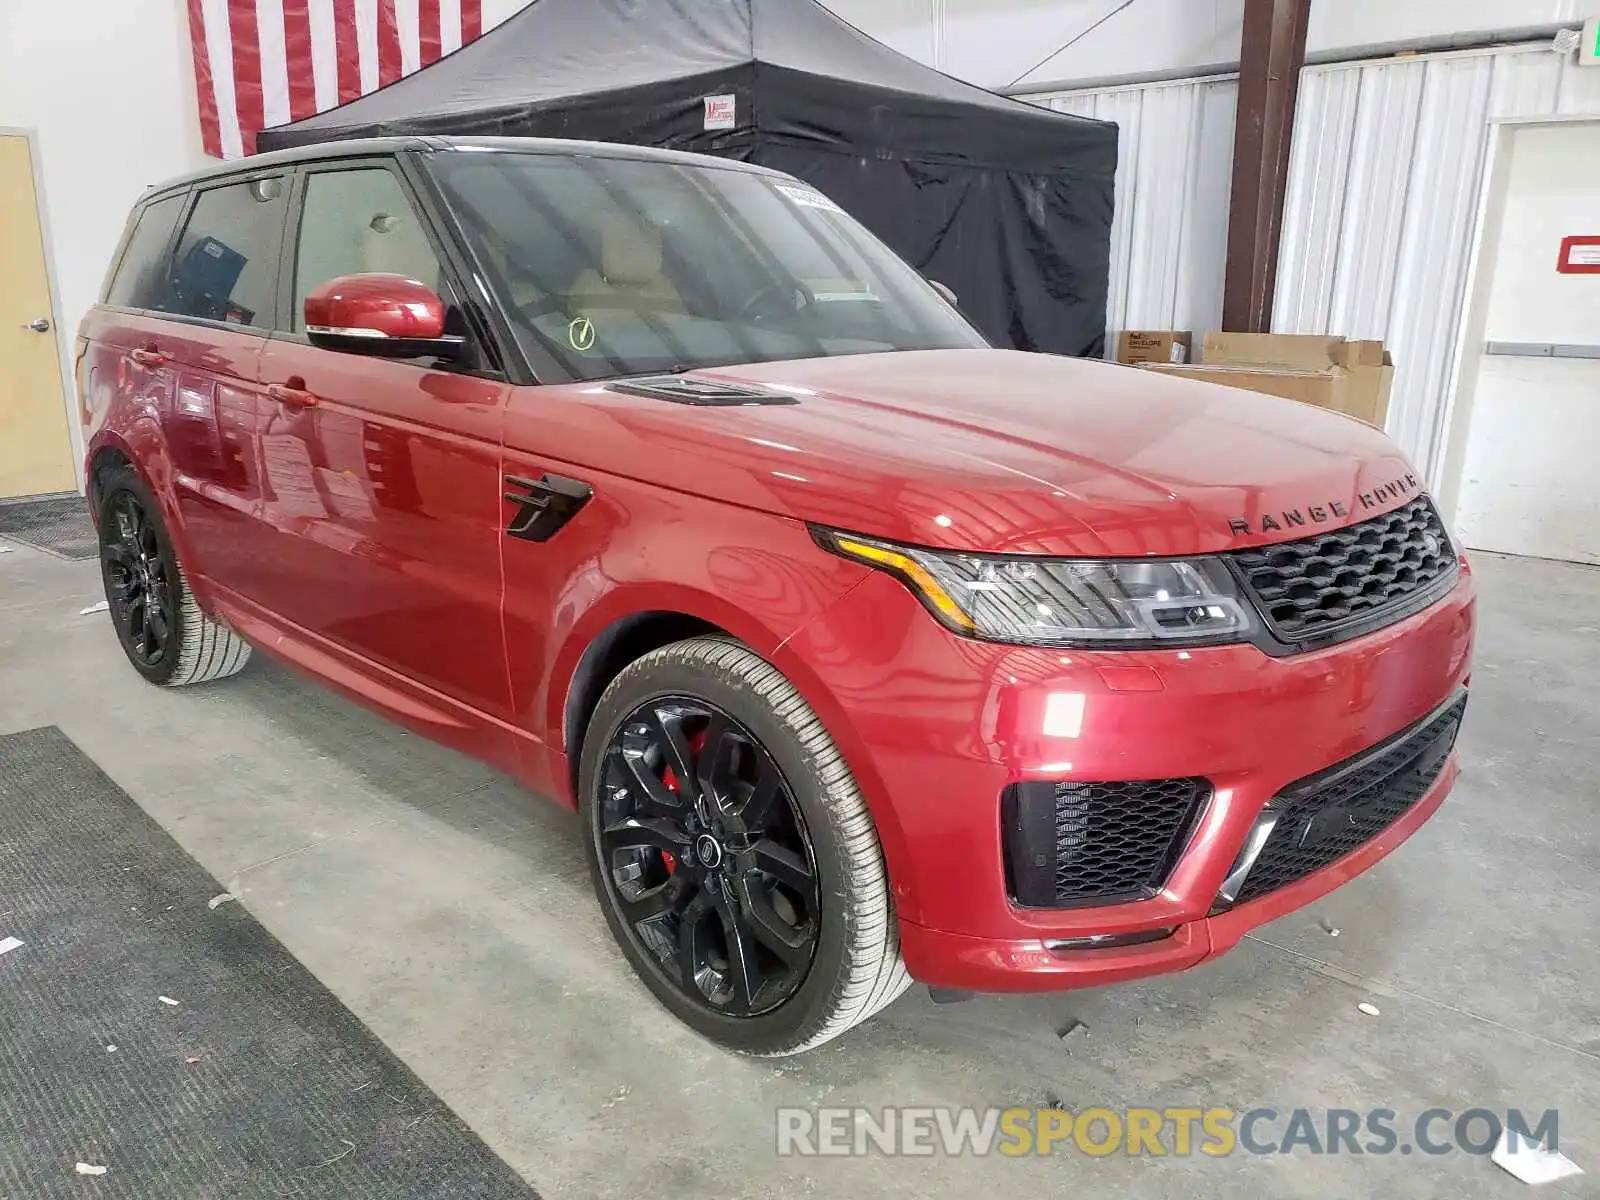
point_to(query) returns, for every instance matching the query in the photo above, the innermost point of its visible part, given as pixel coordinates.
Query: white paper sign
(721, 112)
(809, 198)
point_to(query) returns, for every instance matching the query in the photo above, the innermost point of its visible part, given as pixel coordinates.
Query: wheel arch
(104, 459)
(618, 632)
(625, 640)
(144, 451)
(620, 627)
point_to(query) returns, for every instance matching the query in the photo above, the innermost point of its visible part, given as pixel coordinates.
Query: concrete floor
(451, 912)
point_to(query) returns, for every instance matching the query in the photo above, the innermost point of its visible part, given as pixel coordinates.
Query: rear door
(222, 294)
(189, 356)
(383, 511)
(122, 375)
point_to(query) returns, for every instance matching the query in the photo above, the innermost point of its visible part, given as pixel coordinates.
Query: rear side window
(226, 265)
(141, 277)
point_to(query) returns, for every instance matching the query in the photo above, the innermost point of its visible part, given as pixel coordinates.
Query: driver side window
(354, 222)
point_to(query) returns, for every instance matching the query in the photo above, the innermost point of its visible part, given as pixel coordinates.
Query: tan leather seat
(395, 245)
(630, 271)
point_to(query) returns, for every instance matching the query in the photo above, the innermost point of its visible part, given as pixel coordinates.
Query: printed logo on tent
(721, 112)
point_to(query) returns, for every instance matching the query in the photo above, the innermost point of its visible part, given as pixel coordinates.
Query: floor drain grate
(57, 524)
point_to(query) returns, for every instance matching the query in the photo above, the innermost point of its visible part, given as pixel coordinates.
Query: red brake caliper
(670, 781)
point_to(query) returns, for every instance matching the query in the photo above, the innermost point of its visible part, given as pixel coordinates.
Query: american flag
(260, 63)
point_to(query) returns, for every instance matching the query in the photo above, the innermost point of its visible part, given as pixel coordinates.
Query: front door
(383, 498)
(35, 447)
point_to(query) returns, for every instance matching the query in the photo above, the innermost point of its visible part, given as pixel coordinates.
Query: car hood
(991, 450)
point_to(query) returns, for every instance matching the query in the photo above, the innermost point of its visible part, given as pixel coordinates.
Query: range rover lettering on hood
(1321, 514)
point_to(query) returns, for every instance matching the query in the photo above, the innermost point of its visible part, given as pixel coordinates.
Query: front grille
(1324, 817)
(1072, 844)
(1362, 574)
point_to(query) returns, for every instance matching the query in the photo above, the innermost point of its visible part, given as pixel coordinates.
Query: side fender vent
(706, 393)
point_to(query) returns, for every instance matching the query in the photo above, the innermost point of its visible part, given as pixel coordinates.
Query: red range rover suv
(868, 653)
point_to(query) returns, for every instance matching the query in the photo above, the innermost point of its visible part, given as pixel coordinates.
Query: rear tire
(162, 630)
(764, 731)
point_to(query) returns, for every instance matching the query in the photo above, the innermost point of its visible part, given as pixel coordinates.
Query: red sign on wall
(1580, 256)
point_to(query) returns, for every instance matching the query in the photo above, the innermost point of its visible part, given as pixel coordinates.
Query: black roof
(358, 147)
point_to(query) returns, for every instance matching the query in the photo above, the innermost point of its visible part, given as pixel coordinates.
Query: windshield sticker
(809, 198)
(581, 334)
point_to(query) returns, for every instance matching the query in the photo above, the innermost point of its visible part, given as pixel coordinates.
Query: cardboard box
(1325, 389)
(1297, 351)
(1364, 370)
(1154, 346)
(1371, 372)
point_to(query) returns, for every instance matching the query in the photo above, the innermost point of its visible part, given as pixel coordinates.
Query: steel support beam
(1273, 51)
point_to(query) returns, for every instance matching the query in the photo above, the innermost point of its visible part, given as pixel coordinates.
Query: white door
(1530, 482)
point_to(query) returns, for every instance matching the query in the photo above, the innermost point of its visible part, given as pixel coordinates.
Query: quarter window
(358, 222)
(226, 265)
(141, 277)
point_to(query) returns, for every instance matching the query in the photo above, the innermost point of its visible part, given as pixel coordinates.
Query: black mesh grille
(1308, 587)
(1072, 844)
(1325, 817)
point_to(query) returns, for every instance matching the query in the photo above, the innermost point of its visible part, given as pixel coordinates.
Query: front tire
(162, 630)
(733, 853)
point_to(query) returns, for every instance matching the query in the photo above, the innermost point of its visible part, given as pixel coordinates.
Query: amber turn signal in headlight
(1063, 602)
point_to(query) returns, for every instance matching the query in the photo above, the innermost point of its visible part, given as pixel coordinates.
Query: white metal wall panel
(1313, 211)
(1169, 233)
(1363, 284)
(1431, 263)
(1379, 218)
(1205, 234)
(1382, 204)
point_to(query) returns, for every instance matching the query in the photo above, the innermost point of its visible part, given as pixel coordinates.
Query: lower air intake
(1314, 823)
(1069, 845)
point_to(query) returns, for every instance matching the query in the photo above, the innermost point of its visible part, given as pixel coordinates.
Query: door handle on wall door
(290, 396)
(38, 325)
(148, 356)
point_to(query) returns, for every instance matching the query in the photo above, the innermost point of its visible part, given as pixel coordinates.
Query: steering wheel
(750, 310)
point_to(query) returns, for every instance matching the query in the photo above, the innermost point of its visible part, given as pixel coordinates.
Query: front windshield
(613, 266)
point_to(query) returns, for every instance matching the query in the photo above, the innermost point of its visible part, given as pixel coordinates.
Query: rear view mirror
(386, 316)
(944, 290)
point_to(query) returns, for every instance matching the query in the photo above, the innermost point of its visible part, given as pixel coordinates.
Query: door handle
(38, 325)
(148, 356)
(292, 397)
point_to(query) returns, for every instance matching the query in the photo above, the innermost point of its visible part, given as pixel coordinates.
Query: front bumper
(936, 727)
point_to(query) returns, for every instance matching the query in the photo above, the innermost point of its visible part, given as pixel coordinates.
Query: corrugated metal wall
(1169, 237)
(1379, 219)
(1382, 207)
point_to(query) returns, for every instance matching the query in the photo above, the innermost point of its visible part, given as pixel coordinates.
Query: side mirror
(944, 290)
(386, 316)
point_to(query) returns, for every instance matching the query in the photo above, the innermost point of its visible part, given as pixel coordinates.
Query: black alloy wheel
(139, 584)
(705, 854)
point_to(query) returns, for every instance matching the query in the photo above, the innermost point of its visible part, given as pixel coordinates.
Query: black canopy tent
(1007, 203)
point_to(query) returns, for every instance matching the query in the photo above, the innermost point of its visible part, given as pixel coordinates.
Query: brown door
(35, 448)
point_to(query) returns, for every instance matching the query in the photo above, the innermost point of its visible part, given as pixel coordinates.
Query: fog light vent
(1073, 844)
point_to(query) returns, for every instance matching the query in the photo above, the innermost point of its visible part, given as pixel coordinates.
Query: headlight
(1063, 602)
